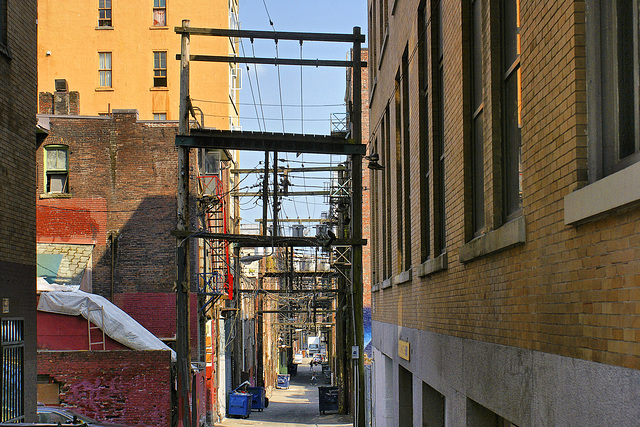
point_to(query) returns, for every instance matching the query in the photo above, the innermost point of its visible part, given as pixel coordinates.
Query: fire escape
(215, 278)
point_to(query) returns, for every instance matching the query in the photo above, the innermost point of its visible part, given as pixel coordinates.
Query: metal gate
(12, 373)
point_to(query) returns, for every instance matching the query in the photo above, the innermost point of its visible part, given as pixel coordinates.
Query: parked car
(66, 416)
(297, 358)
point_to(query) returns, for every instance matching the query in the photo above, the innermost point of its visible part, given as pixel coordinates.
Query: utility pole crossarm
(272, 35)
(268, 141)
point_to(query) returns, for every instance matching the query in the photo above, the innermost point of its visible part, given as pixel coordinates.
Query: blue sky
(321, 93)
(323, 85)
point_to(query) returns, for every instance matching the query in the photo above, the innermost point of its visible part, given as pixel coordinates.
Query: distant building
(506, 222)
(122, 55)
(17, 210)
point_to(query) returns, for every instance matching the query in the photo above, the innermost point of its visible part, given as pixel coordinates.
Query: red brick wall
(122, 182)
(129, 387)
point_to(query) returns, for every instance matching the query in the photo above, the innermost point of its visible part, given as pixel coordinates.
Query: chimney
(62, 102)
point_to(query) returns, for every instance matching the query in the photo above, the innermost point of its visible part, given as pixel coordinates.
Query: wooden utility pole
(356, 231)
(183, 349)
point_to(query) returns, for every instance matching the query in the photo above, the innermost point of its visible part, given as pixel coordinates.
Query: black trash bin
(328, 398)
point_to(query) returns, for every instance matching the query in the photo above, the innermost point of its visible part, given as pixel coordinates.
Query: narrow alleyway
(295, 406)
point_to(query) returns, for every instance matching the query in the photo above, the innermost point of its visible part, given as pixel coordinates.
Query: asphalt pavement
(295, 406)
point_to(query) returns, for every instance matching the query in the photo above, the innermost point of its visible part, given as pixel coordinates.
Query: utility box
(328, 398)
(240, 404)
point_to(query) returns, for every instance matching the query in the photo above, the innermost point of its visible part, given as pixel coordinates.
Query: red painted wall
(157, 312)
(64, 332)
(128, 387)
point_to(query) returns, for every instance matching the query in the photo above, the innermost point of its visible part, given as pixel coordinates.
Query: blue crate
(240, 404)
(257, 398)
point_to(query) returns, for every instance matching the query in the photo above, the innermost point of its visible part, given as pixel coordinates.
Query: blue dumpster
(240, 404)
(257, 398)
(283, 381)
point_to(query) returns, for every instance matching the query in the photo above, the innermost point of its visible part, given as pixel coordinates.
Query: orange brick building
(505, 223)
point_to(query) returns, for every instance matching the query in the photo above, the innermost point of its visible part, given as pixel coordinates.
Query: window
(57, 169)
(432, 406)
(234, 82)
(613, 67)
(234, 21)
(406, 159)
(159, 13)
(159, 116)
(425, 169)
(387, 191)
(511, 111)
(405, 397)
(159, 69)
(3, 23)
(477, 106)
(104, 13)
(437, 69)
(104, 71)
(479, 416)
(12, 365)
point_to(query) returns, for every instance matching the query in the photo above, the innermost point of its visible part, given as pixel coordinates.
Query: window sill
(372, 90)
(510, 234)
(603, 196)
(159, 89)
(434, 265)
(386, 284)
(158, 28)
(402, 278)
(106, 27)
(383, 49)
(55, 196)
(104, 89)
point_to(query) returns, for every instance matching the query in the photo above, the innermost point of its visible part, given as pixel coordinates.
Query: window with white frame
(235, 83)
(56, 164)
(104, 70)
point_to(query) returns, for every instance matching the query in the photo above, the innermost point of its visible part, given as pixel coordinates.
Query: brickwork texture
(568, 290)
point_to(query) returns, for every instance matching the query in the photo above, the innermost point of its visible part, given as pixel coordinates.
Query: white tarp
(117, 324)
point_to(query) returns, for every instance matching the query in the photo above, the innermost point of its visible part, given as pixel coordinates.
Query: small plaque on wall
(404, 350)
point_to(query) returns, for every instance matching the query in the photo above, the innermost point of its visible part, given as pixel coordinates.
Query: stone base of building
(462, 382)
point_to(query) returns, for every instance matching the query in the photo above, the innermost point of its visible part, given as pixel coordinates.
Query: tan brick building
(505, 223)
(17, 210)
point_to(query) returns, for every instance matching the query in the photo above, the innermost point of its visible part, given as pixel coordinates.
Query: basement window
(56, 163)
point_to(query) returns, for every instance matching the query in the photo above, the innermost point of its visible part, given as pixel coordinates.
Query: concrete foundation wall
(525, 387)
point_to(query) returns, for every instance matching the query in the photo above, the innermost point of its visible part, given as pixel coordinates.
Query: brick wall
(17, 171)
(128, 387)
(122, 192)
(568, 290)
